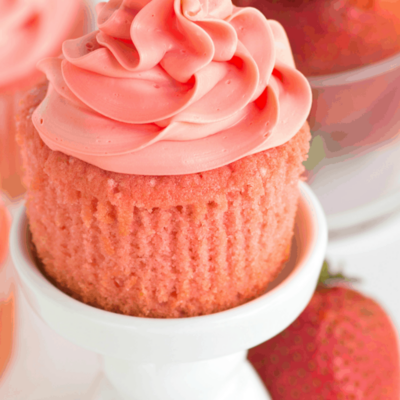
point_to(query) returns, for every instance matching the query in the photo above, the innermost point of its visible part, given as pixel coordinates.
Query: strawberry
(343, 346)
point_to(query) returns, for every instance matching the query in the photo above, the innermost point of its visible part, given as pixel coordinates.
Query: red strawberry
(343, 346)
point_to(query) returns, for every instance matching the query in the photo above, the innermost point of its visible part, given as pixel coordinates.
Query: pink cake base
(167, 246)
(10, 159)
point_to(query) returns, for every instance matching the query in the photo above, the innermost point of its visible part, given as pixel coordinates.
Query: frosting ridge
(170, 87)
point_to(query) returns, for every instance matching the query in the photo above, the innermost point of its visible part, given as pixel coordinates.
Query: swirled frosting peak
(170, 87)
(29, 31)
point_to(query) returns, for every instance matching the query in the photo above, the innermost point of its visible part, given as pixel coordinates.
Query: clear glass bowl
(354, 164)
(357, 109)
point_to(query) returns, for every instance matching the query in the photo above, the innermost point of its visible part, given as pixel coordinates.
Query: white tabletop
(373, 257)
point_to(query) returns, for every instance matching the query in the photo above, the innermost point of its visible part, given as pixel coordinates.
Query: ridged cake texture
(161, 246)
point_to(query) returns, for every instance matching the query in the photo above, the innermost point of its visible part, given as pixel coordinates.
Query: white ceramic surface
(359, 190)
(355, 120)
(43, 365)
(191, 358)
(374, 236)
(371, 255)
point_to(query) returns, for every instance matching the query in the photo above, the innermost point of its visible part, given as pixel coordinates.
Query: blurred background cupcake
(29, 31)
(4, 227)
(333, 36)
(350, 52)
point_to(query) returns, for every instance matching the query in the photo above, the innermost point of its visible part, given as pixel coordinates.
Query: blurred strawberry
(343, 346)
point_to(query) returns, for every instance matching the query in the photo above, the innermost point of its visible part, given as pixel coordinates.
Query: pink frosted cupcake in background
(4, 229)
(7, 316)
(329, 37)
(163, 162)
(350, 52)
(29, 31)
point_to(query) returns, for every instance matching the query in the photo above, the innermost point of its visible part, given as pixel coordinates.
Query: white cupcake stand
(200, 358)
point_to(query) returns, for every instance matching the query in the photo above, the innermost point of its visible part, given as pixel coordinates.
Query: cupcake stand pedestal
(199, 358)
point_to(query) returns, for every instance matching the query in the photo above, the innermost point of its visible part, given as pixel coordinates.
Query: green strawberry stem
(328, 279)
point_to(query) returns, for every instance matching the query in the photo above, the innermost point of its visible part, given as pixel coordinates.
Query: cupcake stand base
(200, 358)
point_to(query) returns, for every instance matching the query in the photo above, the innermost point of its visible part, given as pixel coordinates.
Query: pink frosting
(29, 31)
(170, 87)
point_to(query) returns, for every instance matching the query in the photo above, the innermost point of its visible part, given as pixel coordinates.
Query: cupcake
(29, 31)
(4, 227)
(329, 37)
(163, 158)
